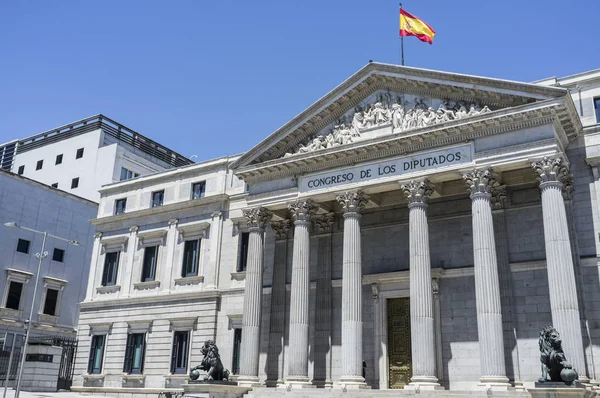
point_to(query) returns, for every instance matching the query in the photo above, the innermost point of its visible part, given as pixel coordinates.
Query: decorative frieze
(323, 223)
(302, 210)
(281, 229)
(417, 191)
(257, 217)
(352, 202)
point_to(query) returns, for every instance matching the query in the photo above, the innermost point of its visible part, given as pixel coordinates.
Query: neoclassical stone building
(411, 229)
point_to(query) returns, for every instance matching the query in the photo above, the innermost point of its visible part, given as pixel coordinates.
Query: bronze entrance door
(399, 351)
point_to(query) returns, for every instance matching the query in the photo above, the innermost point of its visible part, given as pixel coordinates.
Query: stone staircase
(262, 392)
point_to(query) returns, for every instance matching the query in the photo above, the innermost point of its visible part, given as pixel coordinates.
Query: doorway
(398, 347)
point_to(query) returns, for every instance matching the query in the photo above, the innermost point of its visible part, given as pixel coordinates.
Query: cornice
(453, 132)
(158, 210)
(119, 302)
(375, 76)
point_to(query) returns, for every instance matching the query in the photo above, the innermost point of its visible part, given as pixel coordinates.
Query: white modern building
(64, 271)
(412, 229)
(82, 156)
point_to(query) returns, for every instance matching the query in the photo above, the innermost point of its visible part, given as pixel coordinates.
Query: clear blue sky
(212, 78)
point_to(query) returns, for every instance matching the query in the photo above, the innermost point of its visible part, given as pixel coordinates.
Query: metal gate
(67, 358)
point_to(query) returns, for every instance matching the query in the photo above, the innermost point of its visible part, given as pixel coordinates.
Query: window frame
(237, 350)
(153, 266)
(55, 185)
(117, 201)
(202, 192)
(75, 183)
(8, 295)
(62, 256)
(597, 108)
(21, 170)
(59, 159)
(15, 275)
(45, 306)
(184, 270)
(162, 198)
(242, 261)
(51, 283)
(186, 352)
(19, 243)
(93, 349)
(39, 165)
(129, 359)
(79, 153)
(105, 281)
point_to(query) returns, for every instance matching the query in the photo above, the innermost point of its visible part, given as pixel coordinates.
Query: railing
(4, 359)
(113, 129)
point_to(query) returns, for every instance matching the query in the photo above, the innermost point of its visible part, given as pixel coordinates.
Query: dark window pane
(243, 251)
(39, 165)
(198, 190)
(149, 266)
(23, 246)
(55, 185)
(21, 170)
(58, 255)
(237, 344)
(190, 258)
(597, 106)
(13, 298)
(74, 182)
(179, 354)
(96, 354)
(58, 159)
(157, 198)
(111, 268)
(51, 301)
(120, 205)
(79, 153)
(134, 353)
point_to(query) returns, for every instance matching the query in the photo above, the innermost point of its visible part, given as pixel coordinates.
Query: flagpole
(402, 39)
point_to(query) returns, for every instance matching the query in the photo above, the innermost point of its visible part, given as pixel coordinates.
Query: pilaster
(171, 240)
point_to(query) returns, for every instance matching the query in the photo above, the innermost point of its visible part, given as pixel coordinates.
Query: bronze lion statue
(554, 364)
(211, 363)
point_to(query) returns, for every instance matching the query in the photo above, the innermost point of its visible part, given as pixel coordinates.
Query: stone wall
(41, 376)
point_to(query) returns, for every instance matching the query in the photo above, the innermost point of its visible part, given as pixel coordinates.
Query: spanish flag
(413, 26)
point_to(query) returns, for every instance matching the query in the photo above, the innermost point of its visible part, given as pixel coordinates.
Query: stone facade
(301, 259)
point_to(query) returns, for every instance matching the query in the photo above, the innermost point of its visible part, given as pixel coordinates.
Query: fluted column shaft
(300, 292)
(422, 329)
(251, 318)
(352, 345)
(487, 284)
(553, 174)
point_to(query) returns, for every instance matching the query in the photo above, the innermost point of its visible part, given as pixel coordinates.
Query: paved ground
(10, 393)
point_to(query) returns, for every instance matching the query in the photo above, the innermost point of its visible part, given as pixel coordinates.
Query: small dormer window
(198, 190)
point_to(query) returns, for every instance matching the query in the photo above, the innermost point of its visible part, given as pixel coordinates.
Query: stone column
(487, 285)
(422, 330)
(323, 225)
(172, 239)
(275, 361)
(302, 212)
(257, 219)
(553, 175)
(352, 345)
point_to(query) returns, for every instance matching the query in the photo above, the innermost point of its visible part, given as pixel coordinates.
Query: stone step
(338, 393)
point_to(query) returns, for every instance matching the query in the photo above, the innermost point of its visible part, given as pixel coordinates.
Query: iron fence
(5, 359)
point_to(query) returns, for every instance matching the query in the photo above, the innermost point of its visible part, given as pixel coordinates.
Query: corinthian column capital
(481, 181)
(352, 202)
(281, 229)
(257, 217)
(417, 192)
(323, 223)
(551, 169)
(302, 210)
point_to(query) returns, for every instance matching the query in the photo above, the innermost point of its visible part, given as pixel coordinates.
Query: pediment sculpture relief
(384, 112)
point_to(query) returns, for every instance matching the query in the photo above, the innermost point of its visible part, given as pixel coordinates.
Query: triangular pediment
(382, 99)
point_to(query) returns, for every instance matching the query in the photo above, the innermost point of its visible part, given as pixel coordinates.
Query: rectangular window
(157, 198)
(149, 265)
(39, 165)
(79, 154)
(13, 299)
(134, 353)
(597, 108)
(74, 183)
(58, 159)
(23, 246)
(111, 268)
(55, 185)
(191, 257)
(179, 354)
(237, 344)
(127, 174)
(21, 170)
(58, 255)
(96, 354)
(51, 301)
(243, 252)
(198, 190)
(120, 205)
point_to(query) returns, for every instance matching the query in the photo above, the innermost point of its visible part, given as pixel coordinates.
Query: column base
(519, 386)
(423, 383)
(293, 382)
(353, 382)
(248, 381)
(494, 383)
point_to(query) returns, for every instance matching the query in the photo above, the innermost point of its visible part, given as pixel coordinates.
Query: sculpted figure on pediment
(387, 111)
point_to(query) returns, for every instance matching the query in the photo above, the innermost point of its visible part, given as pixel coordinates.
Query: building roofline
(47, 187)
(577, 78)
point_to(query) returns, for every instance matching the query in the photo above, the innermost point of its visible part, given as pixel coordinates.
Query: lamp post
(40, 256)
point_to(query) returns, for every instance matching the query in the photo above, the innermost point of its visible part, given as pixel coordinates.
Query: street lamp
(40, 256)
